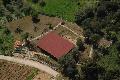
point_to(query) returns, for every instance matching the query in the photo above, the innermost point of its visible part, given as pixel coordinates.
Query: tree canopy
(103, 21)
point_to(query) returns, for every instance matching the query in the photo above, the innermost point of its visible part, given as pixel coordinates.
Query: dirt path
(31, 63)
(91, 52)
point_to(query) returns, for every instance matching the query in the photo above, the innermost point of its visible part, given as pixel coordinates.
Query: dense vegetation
(99, 19)
(6, 41)
(10, 10)
(102, 22)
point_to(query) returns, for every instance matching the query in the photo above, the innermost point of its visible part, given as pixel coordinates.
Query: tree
(80, 45)
(81, 16)
(110, 64)
(35, 1)
(101, 12)
(91, 72)
(89, 13)
(7, 31)
(104, 23)
(35, 17)
(25, 36)
(70, 71)
(68, 64)
(16, 9)
(50, 26)
(26, 10)
(95, 38)
(18, 30)
(111, 6)
(6, 46)
(5, 2)
(42, 3)
(69, 57)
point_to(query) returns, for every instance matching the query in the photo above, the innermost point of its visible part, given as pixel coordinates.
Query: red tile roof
(55, 44)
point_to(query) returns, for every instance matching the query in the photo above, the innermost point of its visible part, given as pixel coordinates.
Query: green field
(65, 9)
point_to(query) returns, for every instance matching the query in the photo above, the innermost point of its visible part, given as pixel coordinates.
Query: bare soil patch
(43, 26)
(86, 54)
(75, 28)
(12, 71)
(42, 76)
(27, 25)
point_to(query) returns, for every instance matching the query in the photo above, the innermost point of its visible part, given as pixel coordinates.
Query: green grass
(32, 75)
(65, 9)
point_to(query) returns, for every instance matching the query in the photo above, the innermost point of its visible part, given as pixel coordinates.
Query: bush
(25, 36)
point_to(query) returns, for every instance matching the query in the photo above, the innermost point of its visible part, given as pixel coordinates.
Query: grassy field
(61, 8)
(65, 9)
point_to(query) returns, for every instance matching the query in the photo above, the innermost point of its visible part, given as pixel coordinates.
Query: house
(17, 44)
(55, 45)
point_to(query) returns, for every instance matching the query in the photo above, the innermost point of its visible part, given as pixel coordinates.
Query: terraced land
(75, 28)
(64, 32)
(13, 71)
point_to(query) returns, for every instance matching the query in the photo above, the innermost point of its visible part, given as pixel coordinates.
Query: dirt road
(31, 63)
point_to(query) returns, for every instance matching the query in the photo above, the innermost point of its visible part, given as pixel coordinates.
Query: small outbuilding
(55, 45)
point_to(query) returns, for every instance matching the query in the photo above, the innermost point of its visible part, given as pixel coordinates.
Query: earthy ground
(42, 76)
(27, 25)
(31, 63)
(87, 54)
(67, 34)
(12, 71)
